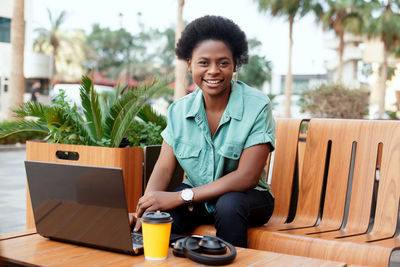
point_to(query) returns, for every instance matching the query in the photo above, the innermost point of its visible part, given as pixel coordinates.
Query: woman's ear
(188, 61)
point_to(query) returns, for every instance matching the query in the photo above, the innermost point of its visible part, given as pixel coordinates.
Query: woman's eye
(224, 63)
(202, 63)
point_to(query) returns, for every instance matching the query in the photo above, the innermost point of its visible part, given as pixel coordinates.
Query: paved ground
(12, 191)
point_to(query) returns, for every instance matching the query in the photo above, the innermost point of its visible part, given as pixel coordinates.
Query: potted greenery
(95, 137)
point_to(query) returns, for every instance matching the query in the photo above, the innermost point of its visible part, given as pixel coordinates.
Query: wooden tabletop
(29, 248)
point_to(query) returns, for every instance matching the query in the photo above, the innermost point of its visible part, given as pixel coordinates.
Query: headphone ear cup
(178, 248)
(192, 242)
(208, 260)
(211, 245)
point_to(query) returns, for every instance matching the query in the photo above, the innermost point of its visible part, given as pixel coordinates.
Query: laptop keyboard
(137, 238)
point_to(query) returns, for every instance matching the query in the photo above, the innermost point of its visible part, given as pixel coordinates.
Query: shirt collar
(196, 104)
(234, 109)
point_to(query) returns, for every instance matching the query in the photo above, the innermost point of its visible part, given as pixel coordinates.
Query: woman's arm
(245, 177)
(155, 197)
(163, 170)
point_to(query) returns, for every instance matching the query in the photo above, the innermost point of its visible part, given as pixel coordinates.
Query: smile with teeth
(213, 81)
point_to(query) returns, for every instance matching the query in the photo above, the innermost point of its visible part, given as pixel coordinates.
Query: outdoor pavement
(12, 190)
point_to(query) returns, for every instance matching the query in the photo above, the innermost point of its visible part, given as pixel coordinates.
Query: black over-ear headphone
(192, 247)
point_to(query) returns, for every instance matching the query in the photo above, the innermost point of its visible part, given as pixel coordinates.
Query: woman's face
(212, 67)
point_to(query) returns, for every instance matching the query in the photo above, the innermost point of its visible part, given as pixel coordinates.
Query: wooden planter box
(129, 159)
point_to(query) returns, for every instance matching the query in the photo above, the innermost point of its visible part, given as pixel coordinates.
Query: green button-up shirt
(246, 121)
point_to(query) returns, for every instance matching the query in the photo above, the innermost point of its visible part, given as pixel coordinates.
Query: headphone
(192, 247)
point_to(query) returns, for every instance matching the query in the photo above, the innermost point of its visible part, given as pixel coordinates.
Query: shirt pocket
(189, 158)
(231, 151)
(231, 154)
(185, 151)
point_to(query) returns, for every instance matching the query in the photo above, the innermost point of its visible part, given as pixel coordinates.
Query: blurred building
(373, 55)
(352, 56)
(358, 53)
(36, 66)
(301, 82)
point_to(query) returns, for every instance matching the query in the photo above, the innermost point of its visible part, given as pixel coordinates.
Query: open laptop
(83, 205)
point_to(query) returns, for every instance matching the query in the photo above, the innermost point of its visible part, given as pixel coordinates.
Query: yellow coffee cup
(156, 229)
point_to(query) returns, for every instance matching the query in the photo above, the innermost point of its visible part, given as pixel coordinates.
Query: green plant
(144, 134)
(393, 115)
(104, 123)
(335, 101)
(18, 138)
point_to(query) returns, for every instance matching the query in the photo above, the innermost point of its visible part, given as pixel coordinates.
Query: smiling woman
(221, 135)
(212, 67)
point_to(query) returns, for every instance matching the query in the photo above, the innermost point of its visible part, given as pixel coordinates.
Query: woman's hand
(132, 218)
(156, 200)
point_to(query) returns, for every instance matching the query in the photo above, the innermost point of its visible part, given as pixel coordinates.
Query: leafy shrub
(144, 134)
(105, 122)
(335, 101)
(18, 138)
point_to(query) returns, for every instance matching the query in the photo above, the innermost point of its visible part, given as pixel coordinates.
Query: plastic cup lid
(156, 217)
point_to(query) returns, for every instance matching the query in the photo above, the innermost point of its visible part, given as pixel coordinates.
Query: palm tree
(52, 36)
(17, 80)
(385, 26)
(342, 16)
(289, 9)
(180, 68)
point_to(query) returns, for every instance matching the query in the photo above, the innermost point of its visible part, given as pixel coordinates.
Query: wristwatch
(187, 196)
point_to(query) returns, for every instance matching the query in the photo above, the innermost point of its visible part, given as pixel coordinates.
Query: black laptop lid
(80, 204)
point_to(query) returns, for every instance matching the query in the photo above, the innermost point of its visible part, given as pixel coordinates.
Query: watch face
(187, 195)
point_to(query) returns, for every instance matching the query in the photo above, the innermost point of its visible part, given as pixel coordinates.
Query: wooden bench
(348, 193)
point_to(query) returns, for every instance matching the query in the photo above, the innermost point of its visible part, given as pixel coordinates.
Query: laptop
(84, 205)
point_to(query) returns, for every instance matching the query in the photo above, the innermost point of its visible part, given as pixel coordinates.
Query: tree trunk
(181, 67)
(289, 78)
(382, 92)
(340, 66)
(17, 81)
(54, 62)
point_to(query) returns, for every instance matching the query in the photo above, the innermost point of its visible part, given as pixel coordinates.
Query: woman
(221, 135)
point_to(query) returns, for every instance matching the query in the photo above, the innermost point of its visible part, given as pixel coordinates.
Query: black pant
(234, 213)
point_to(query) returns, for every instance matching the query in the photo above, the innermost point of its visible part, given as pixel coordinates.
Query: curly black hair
(213, 28)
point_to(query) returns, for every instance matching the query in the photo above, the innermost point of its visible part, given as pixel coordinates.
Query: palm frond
(50, 17)
(23, 126)
(31, 109)
(148, 114)
(55, 115)
(91, 108)
(60, 19)
(107, 99)
(124, 111)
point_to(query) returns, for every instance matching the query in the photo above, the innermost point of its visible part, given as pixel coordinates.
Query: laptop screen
(80, 204)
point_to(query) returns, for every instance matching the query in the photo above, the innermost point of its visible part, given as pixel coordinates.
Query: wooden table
(30, 249)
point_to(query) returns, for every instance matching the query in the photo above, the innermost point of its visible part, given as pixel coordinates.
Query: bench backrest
(339, 173)
(284, 164)
(387, 202)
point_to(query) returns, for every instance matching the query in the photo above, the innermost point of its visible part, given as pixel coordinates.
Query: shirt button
(180, 154)
(226, 116)
(235, 155)
(198, 117)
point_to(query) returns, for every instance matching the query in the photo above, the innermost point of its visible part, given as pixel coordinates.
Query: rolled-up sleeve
(263, 130)
(167, 133)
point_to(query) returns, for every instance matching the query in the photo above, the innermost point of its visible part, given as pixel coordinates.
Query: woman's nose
(213, 68)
